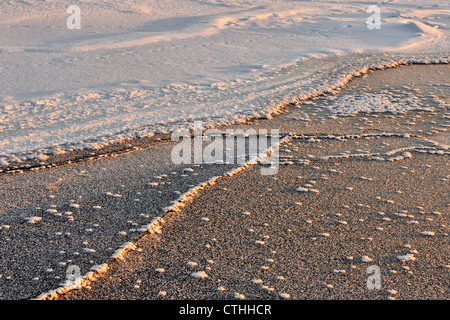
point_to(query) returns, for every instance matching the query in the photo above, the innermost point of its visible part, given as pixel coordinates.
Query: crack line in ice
(154, 226)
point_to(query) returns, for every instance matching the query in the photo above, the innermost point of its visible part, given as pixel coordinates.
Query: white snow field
(136, 68)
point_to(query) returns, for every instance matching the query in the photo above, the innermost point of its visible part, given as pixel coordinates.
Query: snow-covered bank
(136, 68)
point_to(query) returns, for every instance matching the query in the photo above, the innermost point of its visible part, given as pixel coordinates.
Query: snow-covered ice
(136, 68)
(140, 68)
